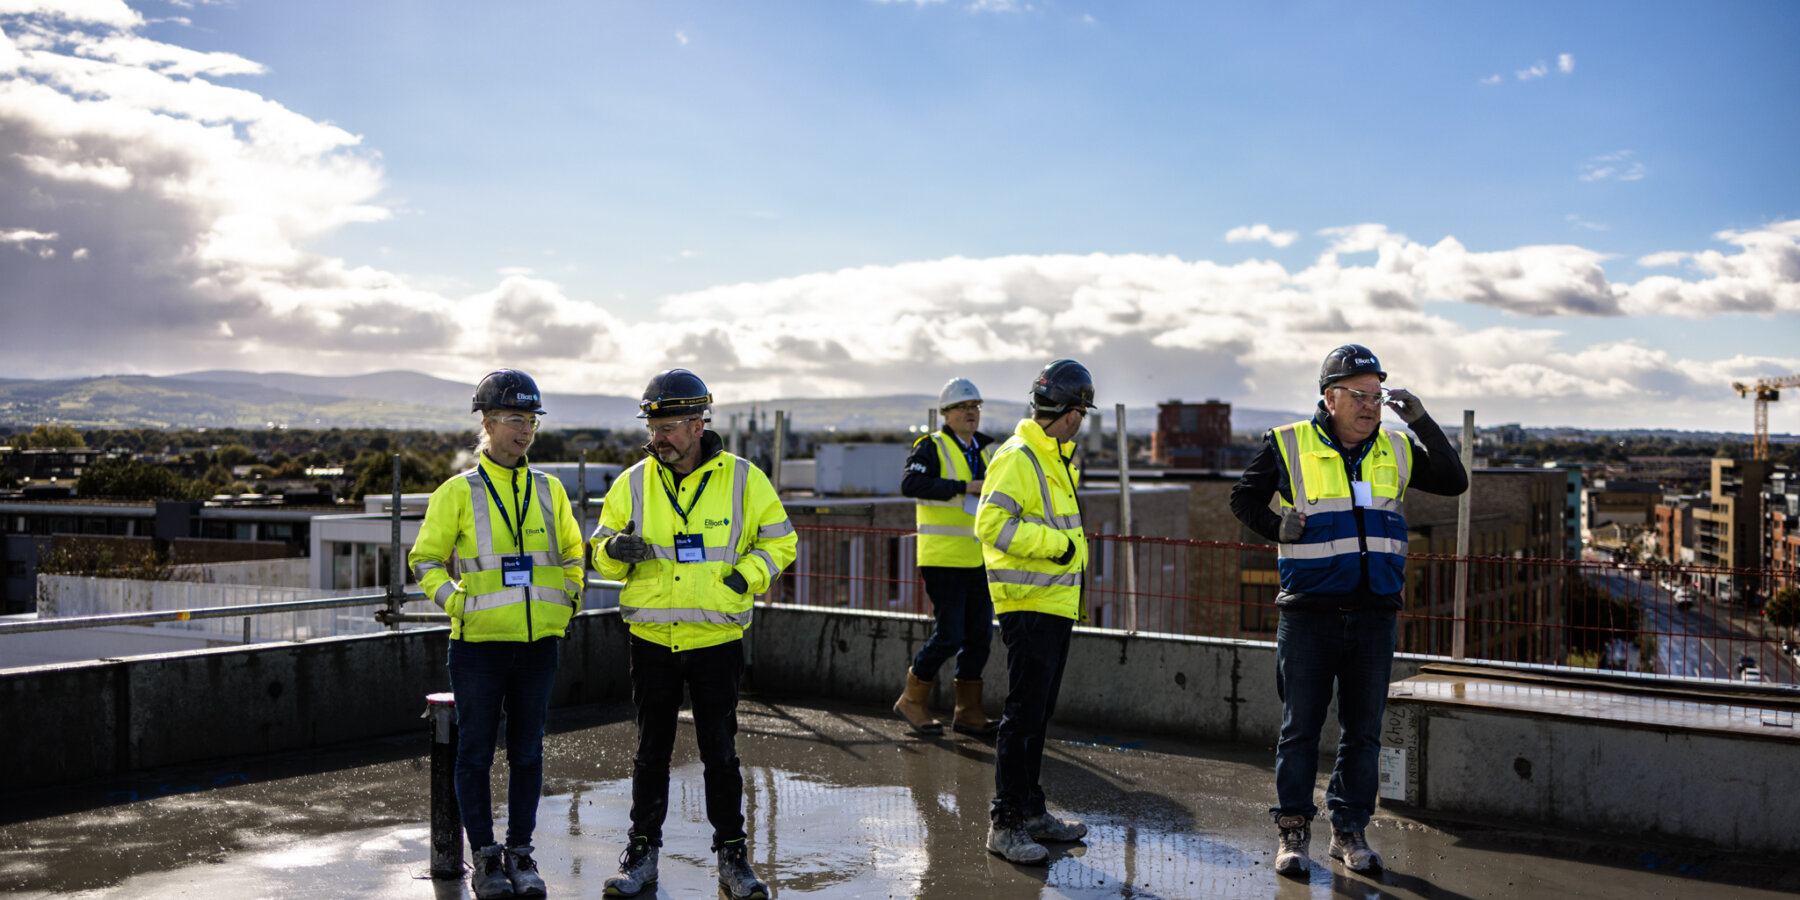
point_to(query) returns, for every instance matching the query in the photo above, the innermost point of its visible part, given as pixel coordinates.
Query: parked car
(1684, 599)
(1751, 675)
(1745, 662)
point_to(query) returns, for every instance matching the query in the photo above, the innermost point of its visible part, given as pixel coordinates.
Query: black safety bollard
(446, 821)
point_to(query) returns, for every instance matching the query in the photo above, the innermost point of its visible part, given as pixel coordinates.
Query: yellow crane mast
(1767, 390)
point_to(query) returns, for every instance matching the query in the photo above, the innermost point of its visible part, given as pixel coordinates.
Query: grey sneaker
(521, 870)
(1050, 828)
(1014, 843)
(1296, 843)
(1350, 847)
(735, 876)
(637, 869)
(488, 878)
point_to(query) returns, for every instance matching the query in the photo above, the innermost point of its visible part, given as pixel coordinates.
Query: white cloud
(1565, 63)
(25, 235)
(1491, 79)
(1583, 224)
(1615, 166)
(682, 38)
(1260, 232)
(113, 13)
(1536, 70)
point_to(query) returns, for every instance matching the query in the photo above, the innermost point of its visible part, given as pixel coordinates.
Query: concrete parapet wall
(84, 720)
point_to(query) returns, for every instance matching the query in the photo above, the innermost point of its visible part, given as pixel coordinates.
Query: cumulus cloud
(1565, 63)
(1615, 166)
(1260, 232)
(1535, 70)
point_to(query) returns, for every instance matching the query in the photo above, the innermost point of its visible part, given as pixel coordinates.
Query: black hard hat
(507, 389)
(1348, 360)
(673, 393)
(1063, 385)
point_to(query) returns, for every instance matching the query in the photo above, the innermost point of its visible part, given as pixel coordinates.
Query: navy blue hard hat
(1063, 385)
(1348, 360)
(507, 389)
(673, 393)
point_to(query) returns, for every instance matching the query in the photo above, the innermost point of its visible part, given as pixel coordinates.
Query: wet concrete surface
(841, 803)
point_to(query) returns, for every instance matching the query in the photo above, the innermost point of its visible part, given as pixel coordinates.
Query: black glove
(1402, 401)
(1293, 525)
(1067, 555)
(627, 547)
(736, 582)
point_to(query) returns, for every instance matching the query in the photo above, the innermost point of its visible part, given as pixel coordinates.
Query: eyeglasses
(967, 406)
(518, 422)
(667, 428)
(1080, 411)
(1364, 397)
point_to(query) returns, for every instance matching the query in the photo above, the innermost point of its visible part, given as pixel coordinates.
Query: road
(1702, 641)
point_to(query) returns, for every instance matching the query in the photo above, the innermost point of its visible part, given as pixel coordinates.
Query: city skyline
(1553, 216)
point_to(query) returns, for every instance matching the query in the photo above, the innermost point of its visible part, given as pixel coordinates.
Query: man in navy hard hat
(944, 476)
(1342, 542)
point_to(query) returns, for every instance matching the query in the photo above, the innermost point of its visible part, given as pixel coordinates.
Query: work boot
(488, 878)
(735, 876)
(913, 705)
(521, 869)
(1050, 828)
(1356, 853)
(1009, 839)
(637, 869)
(1296, 843)
(969, 718)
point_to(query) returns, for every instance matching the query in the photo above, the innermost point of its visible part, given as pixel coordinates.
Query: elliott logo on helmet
(1364, 362)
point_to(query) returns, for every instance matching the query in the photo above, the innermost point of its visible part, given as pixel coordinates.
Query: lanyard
(519, 534)
(1352, 466)
(972, 455)
(677, 503)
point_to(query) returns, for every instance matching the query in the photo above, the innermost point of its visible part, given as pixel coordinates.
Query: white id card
(970, 502)
(689, 548)
(1361, 493)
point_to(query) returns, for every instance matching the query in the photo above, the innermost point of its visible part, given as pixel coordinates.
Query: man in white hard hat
(944, 475)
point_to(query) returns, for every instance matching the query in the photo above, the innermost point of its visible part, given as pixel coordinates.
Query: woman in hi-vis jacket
(501, 553)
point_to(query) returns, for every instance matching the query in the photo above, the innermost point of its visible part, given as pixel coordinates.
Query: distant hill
(230, 399)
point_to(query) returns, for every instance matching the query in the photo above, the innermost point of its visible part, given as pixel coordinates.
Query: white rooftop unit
(860, 469)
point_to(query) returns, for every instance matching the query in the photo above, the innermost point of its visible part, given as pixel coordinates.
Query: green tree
(234, 455)
(418, 473)
(1594, 615)
(104, 558)
(47, 437)
(1783, 609)
(131, 479)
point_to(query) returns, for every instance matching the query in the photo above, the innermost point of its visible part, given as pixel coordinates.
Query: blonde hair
(481, 434)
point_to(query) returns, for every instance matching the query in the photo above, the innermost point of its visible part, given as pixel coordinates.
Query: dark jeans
(1313, 650)
(711, 676)
(964, 627)
(1037, 647)
(490, 678)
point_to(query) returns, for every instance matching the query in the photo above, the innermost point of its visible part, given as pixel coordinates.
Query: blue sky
(1550, 213)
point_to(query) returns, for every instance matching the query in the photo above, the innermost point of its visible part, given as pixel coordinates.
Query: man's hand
(628, 548)
(736, 582)
(1293, 525)
(1402, 401)
(973, 487)
(1067, 555)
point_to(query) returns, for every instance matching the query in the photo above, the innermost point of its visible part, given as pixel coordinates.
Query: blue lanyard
(972, 455)
(518, 535)
(1352, 466)
(677, 503)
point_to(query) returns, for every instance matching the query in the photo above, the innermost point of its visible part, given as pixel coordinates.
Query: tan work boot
(969, 718)
(913, 706)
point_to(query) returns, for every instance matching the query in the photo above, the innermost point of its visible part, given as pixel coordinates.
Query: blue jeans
(964, 626)
(1313, 650)
(490, 678)
(711, 676)
(1037, 648)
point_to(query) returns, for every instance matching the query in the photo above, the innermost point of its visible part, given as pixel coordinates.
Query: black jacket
(1436, 469)
(922, 481)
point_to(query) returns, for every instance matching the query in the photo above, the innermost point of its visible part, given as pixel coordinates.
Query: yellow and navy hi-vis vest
(464, 528)
(742, 526)
(1027, 518)
(946, 533)
(1328, 558)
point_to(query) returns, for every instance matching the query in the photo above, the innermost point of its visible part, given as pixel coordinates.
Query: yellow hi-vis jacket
(458, 555)
(946, 533)
(1028, 517)
(743, 528)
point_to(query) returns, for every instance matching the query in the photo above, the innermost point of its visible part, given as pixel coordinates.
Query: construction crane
(1767, 390)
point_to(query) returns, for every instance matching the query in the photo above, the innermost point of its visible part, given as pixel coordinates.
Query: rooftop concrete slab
(841, 803)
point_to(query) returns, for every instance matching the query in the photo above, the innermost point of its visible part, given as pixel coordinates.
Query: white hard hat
(957, 390)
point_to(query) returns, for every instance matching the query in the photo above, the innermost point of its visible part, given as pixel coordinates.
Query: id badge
(689, 549)
(1362, 494)
(515, 571)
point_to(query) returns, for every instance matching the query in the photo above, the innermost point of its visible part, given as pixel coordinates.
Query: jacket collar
(1034, 437)
(981, 439)
(711, 448)
(498, 471)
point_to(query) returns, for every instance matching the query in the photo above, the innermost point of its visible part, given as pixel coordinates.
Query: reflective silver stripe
(546, 510)
(486, 563)
(957, 504)
(768, 561)
(515, 595)
(1387, 545)
(602, 532)
(483, 515)
(713, 554)
(573, 587)
(442, 595)
(1341, 547)
(419, 569)
(1004, 501)
(1402, 449)
(948, 530)
(740, 486)
(1332, 504)
(1033, 579)
(570, 562)
(1390, 504)
(1290, 444)
(637, 494)
(644, 615)
(1003, 542)
(780, 529)
(1043, 481)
